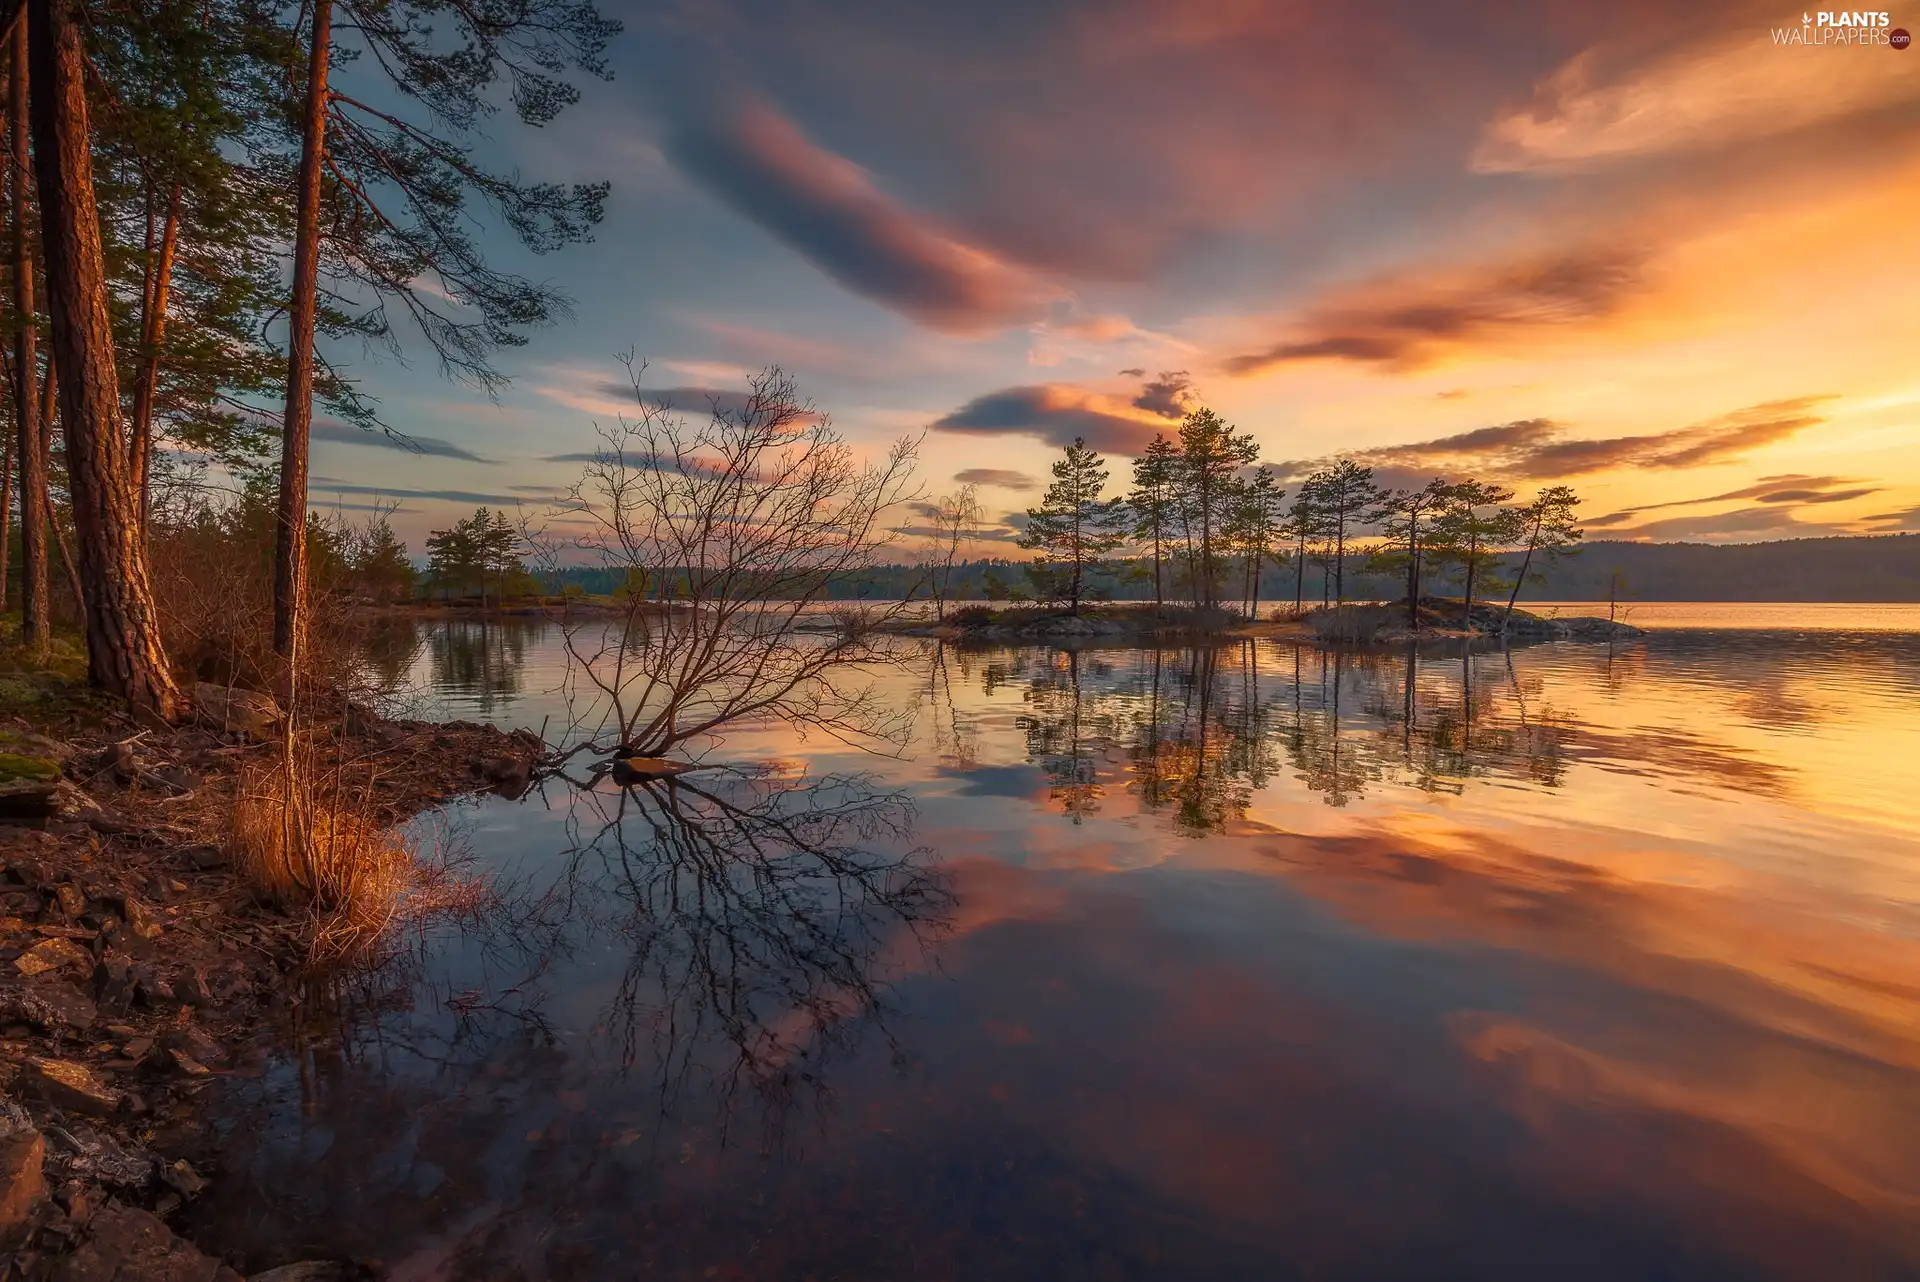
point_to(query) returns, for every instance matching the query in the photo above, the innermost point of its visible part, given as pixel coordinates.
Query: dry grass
(307, 837)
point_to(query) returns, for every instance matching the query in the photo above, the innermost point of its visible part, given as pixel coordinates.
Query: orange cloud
(1409, 322)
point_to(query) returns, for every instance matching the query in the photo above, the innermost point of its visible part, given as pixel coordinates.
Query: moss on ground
(15, 768)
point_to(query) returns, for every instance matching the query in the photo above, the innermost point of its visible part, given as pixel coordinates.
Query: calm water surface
(1254, 962)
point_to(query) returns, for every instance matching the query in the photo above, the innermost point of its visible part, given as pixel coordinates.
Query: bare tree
(736, 525)
(956, 523)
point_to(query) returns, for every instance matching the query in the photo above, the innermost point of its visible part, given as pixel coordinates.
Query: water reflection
(696, 957)
(755, 913)
(480, 662)
(1196, 733)
(1235, 962)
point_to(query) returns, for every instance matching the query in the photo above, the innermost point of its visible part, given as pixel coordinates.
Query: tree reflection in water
(481, 660)
(722, 942)
(1196, 733)
(759, 917)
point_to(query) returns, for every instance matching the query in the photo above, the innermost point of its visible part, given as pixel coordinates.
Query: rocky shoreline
(136, 969)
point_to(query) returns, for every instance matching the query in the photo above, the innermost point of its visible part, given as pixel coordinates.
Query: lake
(1255, 961)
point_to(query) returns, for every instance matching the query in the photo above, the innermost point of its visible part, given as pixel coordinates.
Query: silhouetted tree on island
(1074, 528)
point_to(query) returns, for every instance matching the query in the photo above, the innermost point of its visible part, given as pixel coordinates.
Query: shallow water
(1247, 962)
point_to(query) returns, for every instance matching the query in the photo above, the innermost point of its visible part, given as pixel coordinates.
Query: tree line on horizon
(1204, 518)
(196, 195)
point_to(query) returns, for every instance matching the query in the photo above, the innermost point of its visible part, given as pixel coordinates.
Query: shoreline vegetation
(1354, 623)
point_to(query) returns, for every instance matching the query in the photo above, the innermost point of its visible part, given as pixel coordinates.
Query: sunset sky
(1639, 248)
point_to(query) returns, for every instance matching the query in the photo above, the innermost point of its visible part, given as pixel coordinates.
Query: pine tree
(1344, 494)
(379, 562)
(1211, 456)
(1074, 527)
(124, 653)
(1402, 512)
(1302, 526)
(1547, 528)
(1253, 524)
(1154, 503)
(395, 197)
(1471, 528)
(30, 443)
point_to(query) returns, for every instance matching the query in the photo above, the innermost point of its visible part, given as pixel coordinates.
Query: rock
(234, 711)
(52, 954)
(114, 983)
(49, 1005)
(140, 919)
(125, 1244)
(73, 801)
(27, 744)
(23, 1181)
(187, 1065)
(192, 989)
(206, 858)
(70, 900)
(84, 1153)
(27, 789)
(305, 1271)
(28, 872)
(68, 1085)
(635, 769)
(194, 1042)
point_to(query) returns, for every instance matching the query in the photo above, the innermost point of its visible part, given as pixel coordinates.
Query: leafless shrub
(730, 529)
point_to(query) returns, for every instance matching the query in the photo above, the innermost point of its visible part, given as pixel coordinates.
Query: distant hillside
(1871, 568)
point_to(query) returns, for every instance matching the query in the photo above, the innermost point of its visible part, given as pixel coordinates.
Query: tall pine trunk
(1300, 572)
(35, 627)
(153, 331)
(1413, 570)
(6, 520)
(124, 654)
(1340, 559)
(1473, 564)
(290, 543)
(1159, 605)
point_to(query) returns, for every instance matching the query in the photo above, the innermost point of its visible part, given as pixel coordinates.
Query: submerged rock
(640, 769)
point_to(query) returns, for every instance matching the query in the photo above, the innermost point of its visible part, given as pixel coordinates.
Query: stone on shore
(23, 1181)
(49, 1005)
(67, 1084)
(28, 788)
(125, 1244)
(52, 954)
(234, 711)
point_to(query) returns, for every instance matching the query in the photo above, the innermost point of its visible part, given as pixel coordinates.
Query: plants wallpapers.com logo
(1844, 29)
